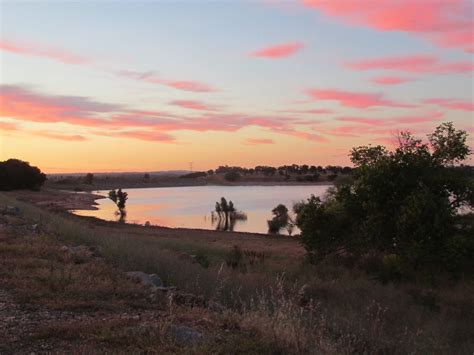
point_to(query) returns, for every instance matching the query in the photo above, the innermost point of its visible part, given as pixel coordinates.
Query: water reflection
(191, 207)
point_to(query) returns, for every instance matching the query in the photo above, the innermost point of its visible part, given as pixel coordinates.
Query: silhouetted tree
(119, 198)
(89, 179)
(18, 174)
(280, 219)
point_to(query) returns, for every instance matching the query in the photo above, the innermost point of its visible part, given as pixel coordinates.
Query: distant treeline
(293, 169)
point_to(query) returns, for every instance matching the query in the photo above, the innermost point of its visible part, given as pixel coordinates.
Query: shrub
(17, 174)
(280, 219)
(232, 176)
(89, 179)
(402, 202)
(195, 175)
(119, 198)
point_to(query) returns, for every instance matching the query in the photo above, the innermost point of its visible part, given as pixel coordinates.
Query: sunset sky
(154, 85)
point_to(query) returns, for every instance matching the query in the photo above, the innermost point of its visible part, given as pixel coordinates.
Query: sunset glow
(155, 85)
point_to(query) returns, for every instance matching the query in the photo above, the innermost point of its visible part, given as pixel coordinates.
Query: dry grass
(269, 306)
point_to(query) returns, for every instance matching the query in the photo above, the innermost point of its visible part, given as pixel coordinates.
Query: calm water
(191, 207)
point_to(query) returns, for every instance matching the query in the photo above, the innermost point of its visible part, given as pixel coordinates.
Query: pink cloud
(321, 111)
(152, 78)
(23, 104)
(63, 137)
(452, 104)
(258, 141)
(391, 121)
(354, 99)
(363, 120)
(45, 51)
(143, 135)
(444, 23)
(390, 80)
(192, 105)
(422, 64)
(279, 51)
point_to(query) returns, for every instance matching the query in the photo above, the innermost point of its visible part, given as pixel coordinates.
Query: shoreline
(151, 185)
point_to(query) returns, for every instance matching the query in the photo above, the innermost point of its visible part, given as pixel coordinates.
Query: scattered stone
(12, 211)
(80, 253)
(216, 306)
(145, 279)
(188, 299)
(13, 220)
(185, 335)
(166, 289)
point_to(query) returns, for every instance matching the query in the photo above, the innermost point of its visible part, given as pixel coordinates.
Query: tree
(89, 179)
(227, 214)
(18, 174)
(119, 198)
(401, 202)
(280, 219)
(232, 176)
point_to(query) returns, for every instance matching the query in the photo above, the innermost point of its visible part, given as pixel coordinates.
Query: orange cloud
(258, 141)
(445, 23)
(279, 51)
(7, 126)
(45, 51)
(452, 104)
(423, 64)
(354, 99)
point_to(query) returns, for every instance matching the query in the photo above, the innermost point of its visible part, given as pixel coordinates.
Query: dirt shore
(64, 201)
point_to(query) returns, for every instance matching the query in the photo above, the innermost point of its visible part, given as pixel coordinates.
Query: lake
(191, 207)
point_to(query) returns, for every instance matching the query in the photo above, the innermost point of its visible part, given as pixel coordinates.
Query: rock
(216, 306)
(185, 335)
(80, 253)
(147, 280)
(13, 220)
(189, 299)
(166, 289)
(12, 210)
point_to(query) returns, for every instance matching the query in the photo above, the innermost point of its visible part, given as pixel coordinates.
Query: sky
(155, 85)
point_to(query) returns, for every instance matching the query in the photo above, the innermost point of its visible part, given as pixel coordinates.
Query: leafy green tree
(403, 202)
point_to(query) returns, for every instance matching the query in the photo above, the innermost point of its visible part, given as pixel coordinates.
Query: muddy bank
(58, 199)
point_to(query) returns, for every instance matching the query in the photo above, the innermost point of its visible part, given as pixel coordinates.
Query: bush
(402, 202)
(232, 176)
(16, 174)
(195, 175)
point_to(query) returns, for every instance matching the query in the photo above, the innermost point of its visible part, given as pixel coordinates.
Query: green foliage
(402, 203)
(16, 174)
